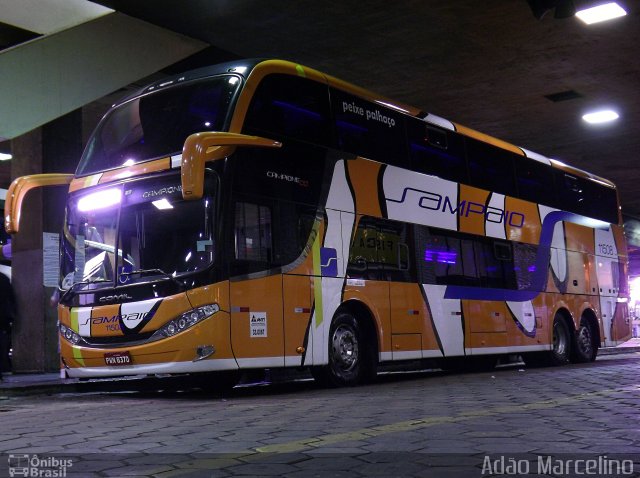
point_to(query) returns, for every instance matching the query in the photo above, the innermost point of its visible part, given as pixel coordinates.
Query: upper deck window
(369, 129)
(290, 107)
(156, 125)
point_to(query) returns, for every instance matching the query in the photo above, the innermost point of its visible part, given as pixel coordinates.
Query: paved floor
(412, 424)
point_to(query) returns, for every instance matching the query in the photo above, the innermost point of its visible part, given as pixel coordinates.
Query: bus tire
(560, 354)
(585, 348)
(347, 354)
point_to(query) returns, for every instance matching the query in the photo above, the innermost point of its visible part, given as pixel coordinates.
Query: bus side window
(571, 192)
(380, 251)
(363, 253)
(491, 168)
(289, 107)
(292, 231)
(252, 237)
(524, 264)
(369, 129)
(535, 181)
(436, 151)
(603, 202)
(395, 251)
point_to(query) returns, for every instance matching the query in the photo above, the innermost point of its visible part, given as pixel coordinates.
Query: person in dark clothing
(7, 317)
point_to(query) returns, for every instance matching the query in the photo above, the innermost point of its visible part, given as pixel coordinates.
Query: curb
(13, 386)
(618, 350)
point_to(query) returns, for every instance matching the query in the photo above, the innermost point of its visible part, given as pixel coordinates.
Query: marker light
(601, 13)
(100, 200)
(162, 204)
(598, 117)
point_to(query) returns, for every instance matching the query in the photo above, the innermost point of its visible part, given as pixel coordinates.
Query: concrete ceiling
(491, 66)
(488, 65)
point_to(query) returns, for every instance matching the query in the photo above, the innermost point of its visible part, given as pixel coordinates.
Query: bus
(261, 214)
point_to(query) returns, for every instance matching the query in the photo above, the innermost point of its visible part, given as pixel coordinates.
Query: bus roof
(246, 67)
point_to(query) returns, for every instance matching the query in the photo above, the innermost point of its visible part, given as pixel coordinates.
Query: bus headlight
(69, 334)
(186, 320)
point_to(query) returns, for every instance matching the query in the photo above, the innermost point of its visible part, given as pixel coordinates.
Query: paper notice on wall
(50, 258)
(258, 323)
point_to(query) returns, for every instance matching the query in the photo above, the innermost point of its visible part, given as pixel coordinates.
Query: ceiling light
(601, 13)
(5, 157)
(597, 117)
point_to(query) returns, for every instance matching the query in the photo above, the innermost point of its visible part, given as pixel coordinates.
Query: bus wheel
(584, 349)
(346, 353)
(561, 351)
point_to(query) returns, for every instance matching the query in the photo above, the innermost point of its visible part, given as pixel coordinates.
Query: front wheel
(349, 361)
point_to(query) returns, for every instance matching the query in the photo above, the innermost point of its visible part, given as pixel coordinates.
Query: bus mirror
(211, 146)
(18, 190)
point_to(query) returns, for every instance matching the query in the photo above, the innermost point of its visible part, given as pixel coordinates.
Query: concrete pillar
(55, 147)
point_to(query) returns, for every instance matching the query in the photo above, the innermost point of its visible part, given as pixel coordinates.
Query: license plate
(118, 359)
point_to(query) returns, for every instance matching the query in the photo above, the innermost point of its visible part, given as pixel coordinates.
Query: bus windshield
(156, 125)
(155, 232)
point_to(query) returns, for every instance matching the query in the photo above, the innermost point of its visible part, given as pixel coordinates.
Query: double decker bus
(261, 214)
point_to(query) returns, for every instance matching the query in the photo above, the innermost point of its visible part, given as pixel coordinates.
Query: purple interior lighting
(442, 257)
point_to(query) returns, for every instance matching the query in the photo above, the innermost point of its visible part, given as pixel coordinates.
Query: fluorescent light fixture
(601, 13)
(162, 204)
(100, 200)
(598, 117)
(5, 157)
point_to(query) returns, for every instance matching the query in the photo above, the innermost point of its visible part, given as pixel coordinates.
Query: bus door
(365, 269)
(255, 293)
(408, 310)
(297, 311)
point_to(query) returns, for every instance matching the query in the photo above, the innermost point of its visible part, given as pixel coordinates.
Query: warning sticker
(258, 324)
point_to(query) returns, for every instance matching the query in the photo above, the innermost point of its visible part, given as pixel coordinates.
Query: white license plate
(117, 359)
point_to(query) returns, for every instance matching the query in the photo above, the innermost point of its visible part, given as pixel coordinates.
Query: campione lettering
(162, 191)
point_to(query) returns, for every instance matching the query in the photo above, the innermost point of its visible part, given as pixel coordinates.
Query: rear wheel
(561, 351)
(585, 348)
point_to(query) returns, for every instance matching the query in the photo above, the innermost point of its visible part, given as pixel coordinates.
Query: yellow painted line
(425, 422)
(311, 443)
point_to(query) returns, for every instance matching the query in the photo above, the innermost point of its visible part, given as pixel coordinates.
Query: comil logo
(38, 467)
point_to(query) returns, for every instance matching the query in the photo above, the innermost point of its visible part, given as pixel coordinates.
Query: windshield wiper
(82, 282)
(155, 271)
